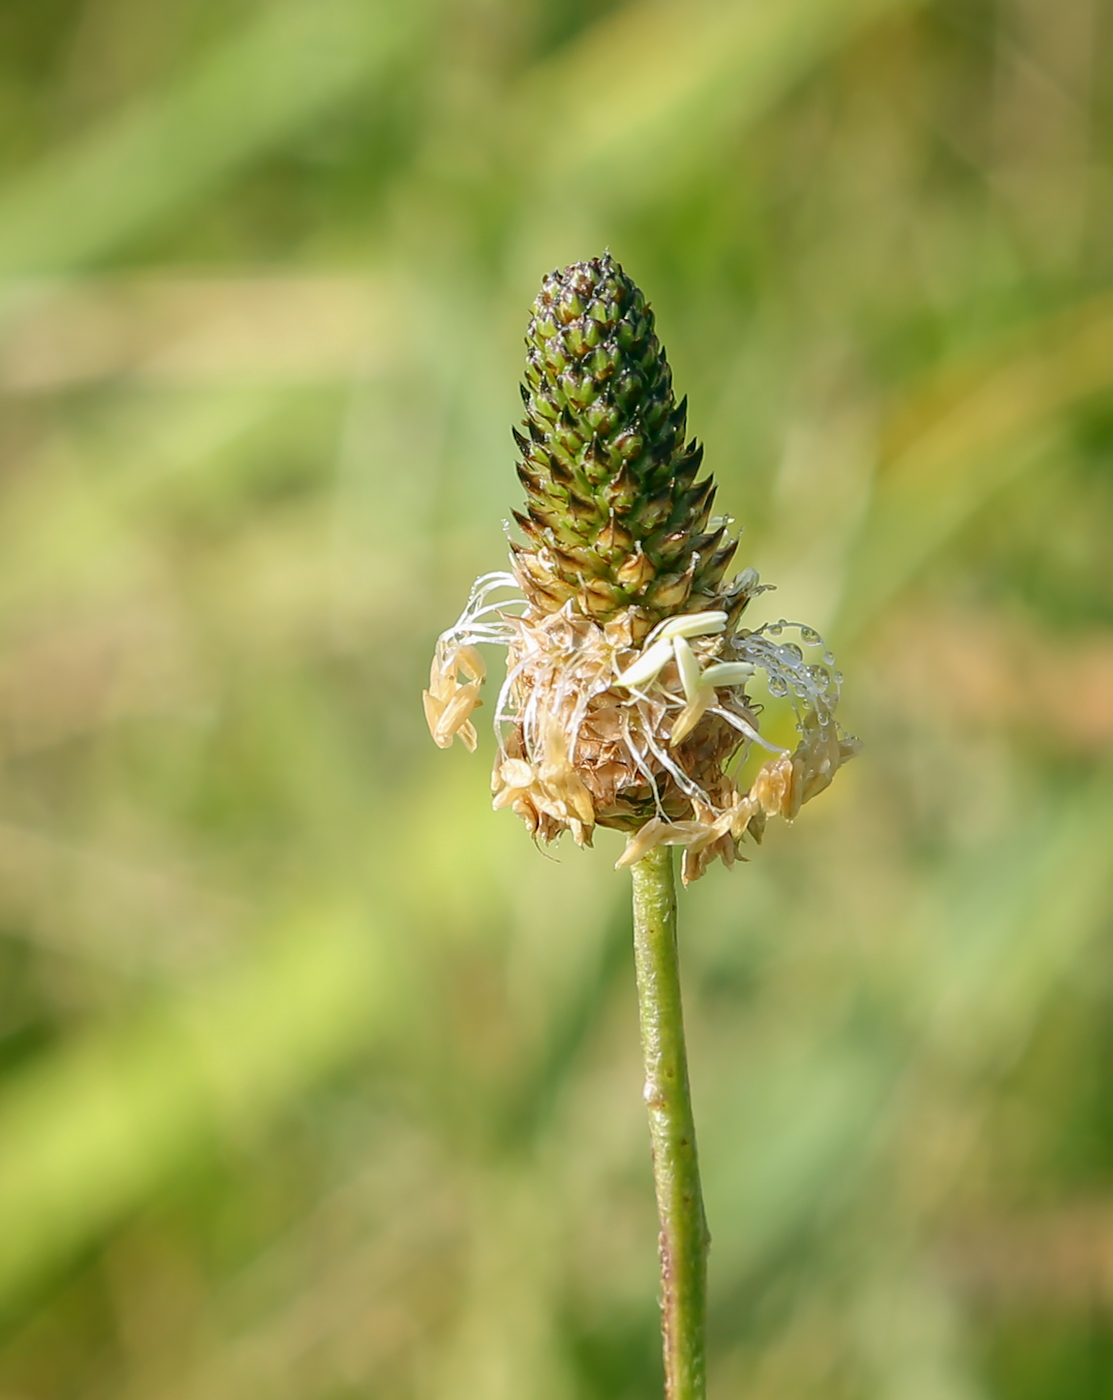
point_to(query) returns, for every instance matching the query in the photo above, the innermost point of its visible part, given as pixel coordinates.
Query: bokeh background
(317, 1081)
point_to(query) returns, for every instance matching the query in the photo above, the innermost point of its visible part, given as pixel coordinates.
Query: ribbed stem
(684, 1239)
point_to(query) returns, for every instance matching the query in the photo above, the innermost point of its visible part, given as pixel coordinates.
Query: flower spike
(625, 698)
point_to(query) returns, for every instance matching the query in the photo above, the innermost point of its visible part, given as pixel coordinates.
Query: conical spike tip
(605, 446)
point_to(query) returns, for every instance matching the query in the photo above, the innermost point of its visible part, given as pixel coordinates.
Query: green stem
(684, 1240)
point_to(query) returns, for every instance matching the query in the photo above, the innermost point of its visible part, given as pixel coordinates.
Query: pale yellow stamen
(658, 833)
(448, 704)
(774, 788)
(709, 835)
(691, 714)
(552, 786)
(561, 779)
(515, 773)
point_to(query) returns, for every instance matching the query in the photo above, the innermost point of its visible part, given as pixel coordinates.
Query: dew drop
(810, 635)
(778, 686)
(790, 653)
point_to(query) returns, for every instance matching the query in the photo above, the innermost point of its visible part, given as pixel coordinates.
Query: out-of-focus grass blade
(634, 99)
(297, 60)
(783, 1141)
(1006, 933)
(952, 447)
(990, 960)
(93, 1130)
(188, 331)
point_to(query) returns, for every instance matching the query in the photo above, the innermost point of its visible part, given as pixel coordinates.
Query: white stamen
(685, 783)
(647, 666)
(701, 624)
(502, 714)
(746, 728)
(498, 607)
(688, 667)
(640, 763)
(727, 673)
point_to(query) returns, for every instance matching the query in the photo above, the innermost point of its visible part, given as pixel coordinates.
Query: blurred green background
(317, 1081)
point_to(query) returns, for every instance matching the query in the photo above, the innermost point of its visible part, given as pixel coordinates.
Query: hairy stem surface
(684, 1240)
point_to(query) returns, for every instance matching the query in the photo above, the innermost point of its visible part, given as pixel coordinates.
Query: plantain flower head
(625, 699)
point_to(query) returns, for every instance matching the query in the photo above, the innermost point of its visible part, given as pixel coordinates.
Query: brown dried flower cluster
(597, 728)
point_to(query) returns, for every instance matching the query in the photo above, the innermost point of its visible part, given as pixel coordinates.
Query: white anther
(701, 624)
(728, 673)
(647, 666)
(688, 666)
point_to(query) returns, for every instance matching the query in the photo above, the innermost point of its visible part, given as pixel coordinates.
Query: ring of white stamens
(565, 684)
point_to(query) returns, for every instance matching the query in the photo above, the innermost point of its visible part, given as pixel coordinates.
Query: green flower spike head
(616, 519)
(625, 696)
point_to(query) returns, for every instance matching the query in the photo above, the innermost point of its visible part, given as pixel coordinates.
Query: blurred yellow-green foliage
(317, 1081)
